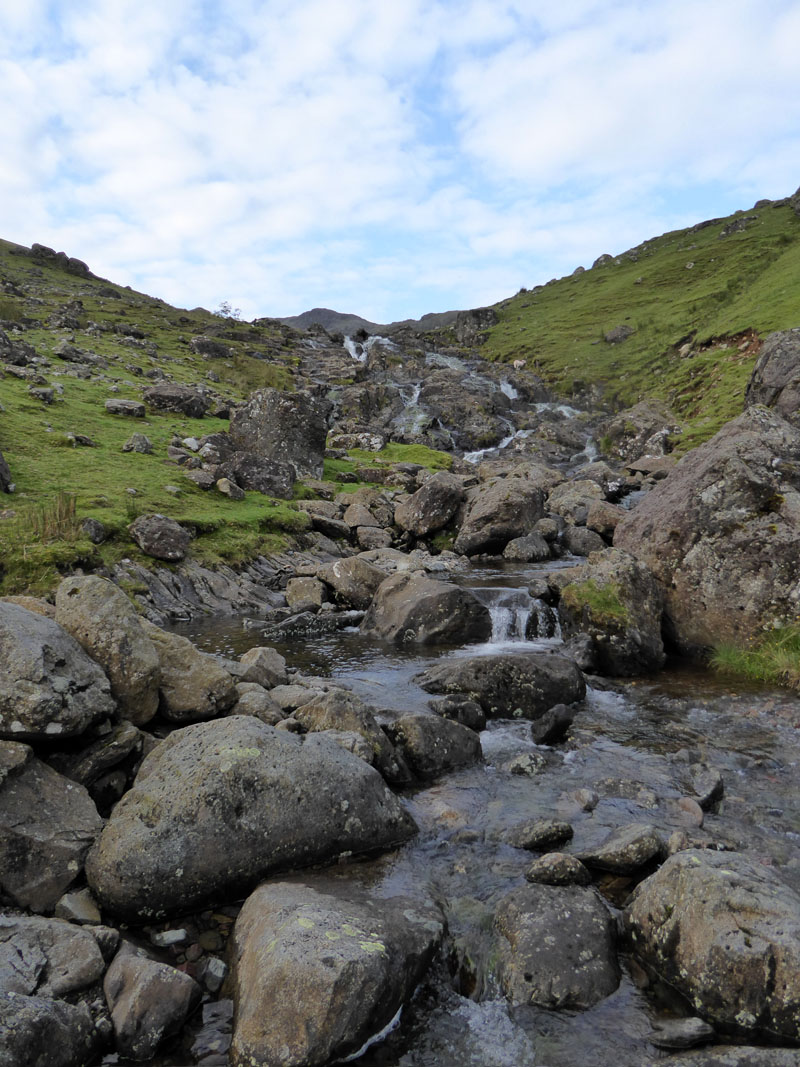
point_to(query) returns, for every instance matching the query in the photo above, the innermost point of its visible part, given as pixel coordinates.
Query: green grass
(740, 285)
(774, 659)
(602, 602)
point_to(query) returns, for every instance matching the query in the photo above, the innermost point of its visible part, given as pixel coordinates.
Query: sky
(384, 157)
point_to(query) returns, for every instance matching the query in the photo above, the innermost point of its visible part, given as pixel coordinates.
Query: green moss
(774, 659)
(602, 602)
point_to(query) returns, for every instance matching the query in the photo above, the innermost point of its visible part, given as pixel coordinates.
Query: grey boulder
(433, 745)
(192, 684)
(432, 507)
(287, 427)
(498, 512)
(160, 537)
(39, 1032)
(410, 608)
(47, 957)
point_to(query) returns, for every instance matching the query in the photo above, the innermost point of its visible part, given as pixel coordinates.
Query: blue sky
(385, 159)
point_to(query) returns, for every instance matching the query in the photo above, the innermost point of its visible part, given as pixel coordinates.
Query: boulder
(6, 481)
(318, 974)
(264, 665)
(532, 548)
(433, 745)
(160, 537)
(39, 1032)
(305, 594)
(182, 399)
(148, 1001)
(253, 699)
(616, 600)
(47, 825)
(725, 932)
(353, 581)
(104, 622)
(132, 408)
(138, 442)
(47, 957)
(775, 381)
(647, 429)
(518, 686)
(538, 835)
(49, 687)
(259, 474)
(721, 533)
(410, 608)
(580, 541)
(192, 684)
(218, 806)
(627, 849)
(432, 507)
(209, 348)
(286, 427)
(497, 512)
(572, 500)
(556, 947)
(558, 868)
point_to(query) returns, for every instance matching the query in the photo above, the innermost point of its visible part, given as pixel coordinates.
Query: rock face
(775, 381)
(725, 932)
(431, 507)
(721, 532)
(160, 537)
(104, 622)
(45, 1033)
(287, 427)
(318, 975)
(497, 512)
(192, 685)
(556, 947)
(251, 800)
(49, 687)
(47, 825)
(523, 686)
(409, 608)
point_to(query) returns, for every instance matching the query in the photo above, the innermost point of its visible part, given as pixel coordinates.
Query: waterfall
(509, 390)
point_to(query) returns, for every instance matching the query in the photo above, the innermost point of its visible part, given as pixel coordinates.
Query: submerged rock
(433, 745)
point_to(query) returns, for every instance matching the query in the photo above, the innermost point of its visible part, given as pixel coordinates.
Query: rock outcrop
(775, 381)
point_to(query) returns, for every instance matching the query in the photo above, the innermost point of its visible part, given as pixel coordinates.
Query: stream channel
(632, 743)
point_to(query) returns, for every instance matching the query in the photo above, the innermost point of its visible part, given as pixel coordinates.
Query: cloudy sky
(384, 158)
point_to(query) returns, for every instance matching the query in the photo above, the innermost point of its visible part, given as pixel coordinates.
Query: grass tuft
(774, 659)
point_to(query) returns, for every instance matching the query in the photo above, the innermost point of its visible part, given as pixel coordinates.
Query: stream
(632, 743)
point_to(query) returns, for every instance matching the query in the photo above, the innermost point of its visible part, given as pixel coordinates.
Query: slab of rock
(721, 533)
(775, 381)
(317, 974)
(105, 623)
(182, 399)
(160, 537)
(305, 594)
(218, 806)
(432, 507)
(148, 1001)
(352, 580)
(47, 825)
(49, 687)
(287, 427)
(724, 931)
(192, 684)
(497, 512)
(47, 957)
(523, 686)
(132, 408)
(556, 947)
(433, 746)
(41, 1032)
(532, 548)
(410, 608)
(627, 849)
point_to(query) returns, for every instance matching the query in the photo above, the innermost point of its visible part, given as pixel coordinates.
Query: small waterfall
(411, 400)
(360, 351)
(544, 623)
(509, 390)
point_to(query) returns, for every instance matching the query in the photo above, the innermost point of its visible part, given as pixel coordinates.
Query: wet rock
(432, 507)
(305, 594)
(529, 549)
(432, 746)
(40, 1032)
(691, 811)
(538, 835)
(317, 973)
(558, 868)
(285, 427)
(586, 799)
(353, 581)
(707, 784)
(553, 725)
(264, 665)
(556, 947)
(460, 709)
(523, 686)
(627, 850)
(47, 957)
(409, 608)
(148, 1001)
(682, 1033)
(49, 687)
(498, 512)
(251, 800)
(720, 534)
(728, 1056)
(104, 622)
(775, 381)
(160, 537)
(723, 931)
(181, 399)
(192, 685)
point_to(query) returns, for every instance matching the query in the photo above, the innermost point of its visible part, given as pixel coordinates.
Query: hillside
(342, 322)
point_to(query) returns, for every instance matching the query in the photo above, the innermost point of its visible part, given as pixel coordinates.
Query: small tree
(226, 311)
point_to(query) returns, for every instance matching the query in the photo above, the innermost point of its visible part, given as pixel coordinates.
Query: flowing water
(632, 743)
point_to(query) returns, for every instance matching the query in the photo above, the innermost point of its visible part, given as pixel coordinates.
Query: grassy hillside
(697, 302)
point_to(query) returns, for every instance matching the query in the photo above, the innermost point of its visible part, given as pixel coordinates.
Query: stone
(78, 907)
(432, 507)
(433, 746)
(41, 1032)
(252, 800)
(539, 835)
(209, 348)
(371, 537)
(181, 399)
(558, 868)
(47, 825)
(410, 608)
(138, 442)
(731, 1056)
(581, 541)
(305, 594)
(94, 530)
(160, 537)
(519, 686)
(532, 548)
(460, 709)
(707, 784)
(264, 665)
(106, 625)
(571, 500)
(122, 743)
(775, 381)
(498, 512)
(627, 850)
(132, 408)
(254, 700)
(319, 972)
(260, 474)
(352, 580)
(6, 481)
(556, 947)
(553, 726)
(49, 687)
(148, 1001)
(286, 427)
(192, 684)
(649, 428)
(229, 489)
(47, 957)
(618, 334)
(723, 930)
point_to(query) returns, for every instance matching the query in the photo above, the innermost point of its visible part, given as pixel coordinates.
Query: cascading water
(360, 350)
(508, 389)
(517, 616)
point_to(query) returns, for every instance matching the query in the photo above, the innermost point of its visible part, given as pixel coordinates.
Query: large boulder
(181, 399)
(192, 684)
(160, 537)
(497, 512)
(617, 601)
(514, 686)
(409, 608)
(287, 427)
(353, 581)
(318, 974)
(433, 745)
(432, 506)
(47, 825)
(48, 957)
(218, 806)
(49, 687)
(556, 947)
(775, 381)
(259, 474)
(40, 1032)
(725, 932)
(721, 533)
(104, 622)
(649, 428)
